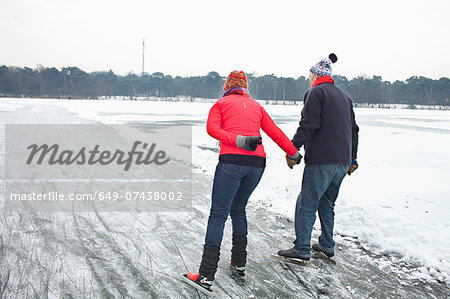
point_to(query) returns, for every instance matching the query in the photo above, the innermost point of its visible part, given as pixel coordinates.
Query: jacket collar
(323, 79)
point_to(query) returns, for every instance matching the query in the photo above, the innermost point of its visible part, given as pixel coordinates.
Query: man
(329, 134)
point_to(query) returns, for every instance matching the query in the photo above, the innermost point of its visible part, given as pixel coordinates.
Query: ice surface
(392, 215)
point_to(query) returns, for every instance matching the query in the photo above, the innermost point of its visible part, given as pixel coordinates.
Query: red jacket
(240, 115)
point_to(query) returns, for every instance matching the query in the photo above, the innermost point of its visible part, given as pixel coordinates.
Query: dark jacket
(327, 127)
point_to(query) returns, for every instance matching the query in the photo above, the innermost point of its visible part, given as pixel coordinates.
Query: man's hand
(293, 160)
(248, 143)
(352, 167)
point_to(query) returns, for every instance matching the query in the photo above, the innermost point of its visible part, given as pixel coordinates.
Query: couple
(327, 131)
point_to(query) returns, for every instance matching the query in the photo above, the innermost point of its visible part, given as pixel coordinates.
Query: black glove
(248, 143)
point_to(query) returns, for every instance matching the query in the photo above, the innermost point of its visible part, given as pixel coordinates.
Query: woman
(235, 120)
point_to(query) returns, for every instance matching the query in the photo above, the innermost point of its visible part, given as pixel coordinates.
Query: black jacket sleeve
(311, 118)
(355, 130)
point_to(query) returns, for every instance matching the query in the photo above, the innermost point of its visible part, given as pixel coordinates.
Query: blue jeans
(233, 185)
(320, 188)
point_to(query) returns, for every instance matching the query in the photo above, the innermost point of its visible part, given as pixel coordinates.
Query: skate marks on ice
(142, 255)
(81, 255)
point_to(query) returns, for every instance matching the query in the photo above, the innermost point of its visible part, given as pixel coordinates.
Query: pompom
(332, 57)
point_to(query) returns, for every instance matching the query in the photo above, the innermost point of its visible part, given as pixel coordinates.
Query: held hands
(352, 167)
(248, 143)
(293, 160)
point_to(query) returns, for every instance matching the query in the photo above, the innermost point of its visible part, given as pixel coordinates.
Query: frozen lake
(392, 216)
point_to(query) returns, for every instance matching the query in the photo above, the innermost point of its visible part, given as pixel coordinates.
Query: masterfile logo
(52, 155)
(99, 167)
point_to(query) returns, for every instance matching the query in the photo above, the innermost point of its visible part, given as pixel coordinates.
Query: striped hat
(236, 79)
(323, 67)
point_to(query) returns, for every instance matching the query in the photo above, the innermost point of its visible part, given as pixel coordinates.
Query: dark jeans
(320, 188)
(233, 185)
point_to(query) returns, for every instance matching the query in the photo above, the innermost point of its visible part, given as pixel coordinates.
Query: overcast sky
(393, 39)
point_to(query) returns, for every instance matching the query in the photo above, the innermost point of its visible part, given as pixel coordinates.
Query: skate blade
(237, 272)
(293, 261)
(205, 291)
(324, 256)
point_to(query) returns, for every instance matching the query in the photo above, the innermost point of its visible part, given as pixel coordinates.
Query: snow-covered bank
(396, 203)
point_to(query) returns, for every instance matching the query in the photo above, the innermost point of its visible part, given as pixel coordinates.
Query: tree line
(72, 82)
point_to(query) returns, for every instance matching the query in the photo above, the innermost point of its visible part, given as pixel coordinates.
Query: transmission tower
(143, 52)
